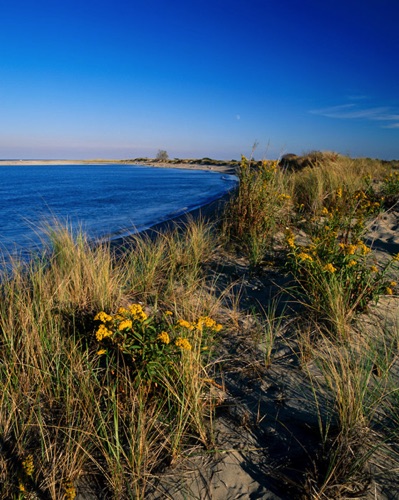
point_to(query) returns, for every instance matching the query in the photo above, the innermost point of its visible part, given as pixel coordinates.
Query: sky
(83, 79)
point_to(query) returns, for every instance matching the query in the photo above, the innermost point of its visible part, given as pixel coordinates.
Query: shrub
(260, 207)
(335, 272)
(162, 155)
(150, 344)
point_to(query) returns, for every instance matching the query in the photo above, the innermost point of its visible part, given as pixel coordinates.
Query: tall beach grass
(107, 360)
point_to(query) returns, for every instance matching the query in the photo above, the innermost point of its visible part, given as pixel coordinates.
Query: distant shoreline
(226, 169)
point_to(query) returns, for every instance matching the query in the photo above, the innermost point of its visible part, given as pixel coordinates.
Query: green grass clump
(110, 397)
(336, 271)
(259, 209)
(317, 185)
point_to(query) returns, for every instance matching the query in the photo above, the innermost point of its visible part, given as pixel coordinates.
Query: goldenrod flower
(305, 256)
(184, 344)
(291, 241)
(70, 491)
(325, 211)
(123, 311)
(205, 321)
(185, 324)
(101, 352)
(137, 312)
(164, 337)
(396, 257)
(103, 332)
(392, 283)
(28, 465)
(352, 263)
(339, 193)
(21, 487)
(103, 317)
(168, 313)
(364, 248)
(126, 324)
(374, 269)
(208, 323)
(388, 291)
(351, 249)
(330, 268)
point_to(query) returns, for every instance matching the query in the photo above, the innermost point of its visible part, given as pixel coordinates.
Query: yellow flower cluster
(102, 332)
(208, 323)
(269, 166)
(361, 195)
(28, 465)
(329, 268)
(126, 324)
(185, 324)
(70, 491)
(137, 312)
(164, 337)
(364, 248)
(103, 317)
(184, 344)
(325, 211)
(392, 176)
(305, 256)
(290, 238)
(350, 249)
(352, 263)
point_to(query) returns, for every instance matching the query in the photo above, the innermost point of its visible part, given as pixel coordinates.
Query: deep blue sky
(122, 79)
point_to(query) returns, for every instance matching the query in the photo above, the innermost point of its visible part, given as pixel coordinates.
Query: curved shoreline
(225, 169)
(209, 212)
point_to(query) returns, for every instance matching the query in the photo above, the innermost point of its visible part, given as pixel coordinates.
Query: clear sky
(122, 79)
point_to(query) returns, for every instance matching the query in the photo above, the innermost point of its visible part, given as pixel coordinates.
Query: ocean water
(107, 201)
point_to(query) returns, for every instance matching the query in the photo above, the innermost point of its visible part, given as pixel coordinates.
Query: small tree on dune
(162, 155)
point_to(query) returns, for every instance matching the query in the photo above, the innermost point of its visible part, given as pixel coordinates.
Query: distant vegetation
(162, 155)
(112, 365)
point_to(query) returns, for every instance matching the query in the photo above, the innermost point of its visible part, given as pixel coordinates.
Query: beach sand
(266, 427)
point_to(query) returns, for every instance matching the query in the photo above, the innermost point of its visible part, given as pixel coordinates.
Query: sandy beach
(272, 412)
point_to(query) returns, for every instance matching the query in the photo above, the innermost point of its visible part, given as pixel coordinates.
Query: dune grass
(113, 402)
(107, 361)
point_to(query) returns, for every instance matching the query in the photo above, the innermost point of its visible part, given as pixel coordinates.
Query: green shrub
(259, 209)
(150, 344)
(335, 272)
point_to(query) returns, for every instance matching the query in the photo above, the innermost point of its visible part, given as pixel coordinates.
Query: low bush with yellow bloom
(337, 260)
(148, 343)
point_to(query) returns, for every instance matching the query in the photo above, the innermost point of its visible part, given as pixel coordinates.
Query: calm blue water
(107, 201)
